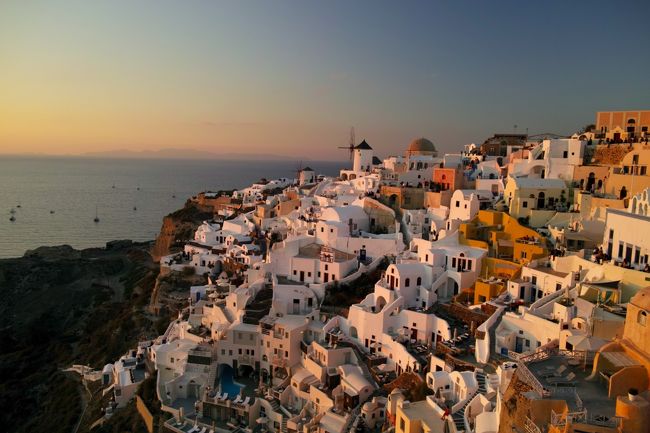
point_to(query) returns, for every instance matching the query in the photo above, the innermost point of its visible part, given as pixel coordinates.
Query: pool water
(227, 382)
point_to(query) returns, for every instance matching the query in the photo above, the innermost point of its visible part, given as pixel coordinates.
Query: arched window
(407, 282)
(642, 318)
(419, 281)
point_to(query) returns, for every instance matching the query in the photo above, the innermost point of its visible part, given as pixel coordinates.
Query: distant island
(177, 153)
(168, 153)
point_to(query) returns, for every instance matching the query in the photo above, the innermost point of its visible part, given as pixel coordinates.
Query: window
(419, 281)
(294, 272)
(523, 254)
(240, 351)
(402, 424)
(322, 229)
(611, 233)
(558, 286)
(534, 279)
(620, 250)
(326, 266)
(565, 154)
(524, 204)
(642, 318)
(407, 282)
(457, 203)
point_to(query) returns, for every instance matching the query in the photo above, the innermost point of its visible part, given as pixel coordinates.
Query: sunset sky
(291, 77)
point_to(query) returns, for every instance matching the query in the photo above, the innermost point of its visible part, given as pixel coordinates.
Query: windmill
(298, 171)
(350, 147)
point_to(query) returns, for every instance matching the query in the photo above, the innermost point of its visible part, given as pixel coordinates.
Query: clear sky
(291, 77)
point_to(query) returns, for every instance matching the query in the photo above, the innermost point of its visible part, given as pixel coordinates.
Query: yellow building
(503, 237)
(419, 417)
(534, 199)
(621, 125)
(633, 173)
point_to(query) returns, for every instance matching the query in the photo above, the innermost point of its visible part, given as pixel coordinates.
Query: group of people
(599, 256)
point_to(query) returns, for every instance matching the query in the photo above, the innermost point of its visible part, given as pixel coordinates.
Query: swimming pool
(227, 382)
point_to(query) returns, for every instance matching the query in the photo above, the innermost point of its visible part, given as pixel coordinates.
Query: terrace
(565, 375)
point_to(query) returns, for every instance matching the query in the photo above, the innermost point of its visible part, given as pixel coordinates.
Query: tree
(588, 128)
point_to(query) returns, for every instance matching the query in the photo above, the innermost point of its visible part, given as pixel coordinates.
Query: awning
(619, 359)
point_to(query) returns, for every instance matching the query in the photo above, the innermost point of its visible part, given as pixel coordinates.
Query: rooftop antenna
(350, 147)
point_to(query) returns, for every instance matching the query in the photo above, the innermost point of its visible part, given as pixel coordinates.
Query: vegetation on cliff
(60, 307)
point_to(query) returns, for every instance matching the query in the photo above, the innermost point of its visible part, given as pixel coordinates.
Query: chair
(247, 400)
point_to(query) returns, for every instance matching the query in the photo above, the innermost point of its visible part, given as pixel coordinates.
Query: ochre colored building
(621, 125)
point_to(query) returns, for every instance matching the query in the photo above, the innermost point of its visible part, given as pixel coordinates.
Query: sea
(54, 200)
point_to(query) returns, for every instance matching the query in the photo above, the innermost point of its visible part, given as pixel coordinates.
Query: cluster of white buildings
(261, 347)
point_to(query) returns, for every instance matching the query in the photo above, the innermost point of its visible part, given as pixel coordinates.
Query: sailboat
(12, 218)
(96, 215)
(12, 211)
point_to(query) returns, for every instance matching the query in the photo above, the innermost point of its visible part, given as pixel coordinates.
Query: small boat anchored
(12, 218)
(96, 215)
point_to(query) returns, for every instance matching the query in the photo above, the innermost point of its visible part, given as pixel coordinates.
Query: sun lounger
(193, 429)
(247, 400)
(556, 380)
(203, 430)
(556, 373)
(225, 396)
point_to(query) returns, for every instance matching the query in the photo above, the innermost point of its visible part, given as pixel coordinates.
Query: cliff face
(62, 306)
(178, 227)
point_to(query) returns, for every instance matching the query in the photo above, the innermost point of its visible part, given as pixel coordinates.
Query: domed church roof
(421, 146)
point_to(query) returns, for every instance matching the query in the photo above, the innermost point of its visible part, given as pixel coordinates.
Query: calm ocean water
(75, 187)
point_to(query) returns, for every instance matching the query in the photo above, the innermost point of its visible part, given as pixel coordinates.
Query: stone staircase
(283, 428)
(212, 376)
(482, 382)
(459, 415)
(276, 406)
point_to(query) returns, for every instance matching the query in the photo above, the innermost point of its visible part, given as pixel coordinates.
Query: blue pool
(227, 382)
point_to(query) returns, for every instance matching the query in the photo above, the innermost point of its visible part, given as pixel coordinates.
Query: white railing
(531, 427)
(528, 377)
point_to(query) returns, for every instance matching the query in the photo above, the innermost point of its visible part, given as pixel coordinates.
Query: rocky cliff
(178, 227)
